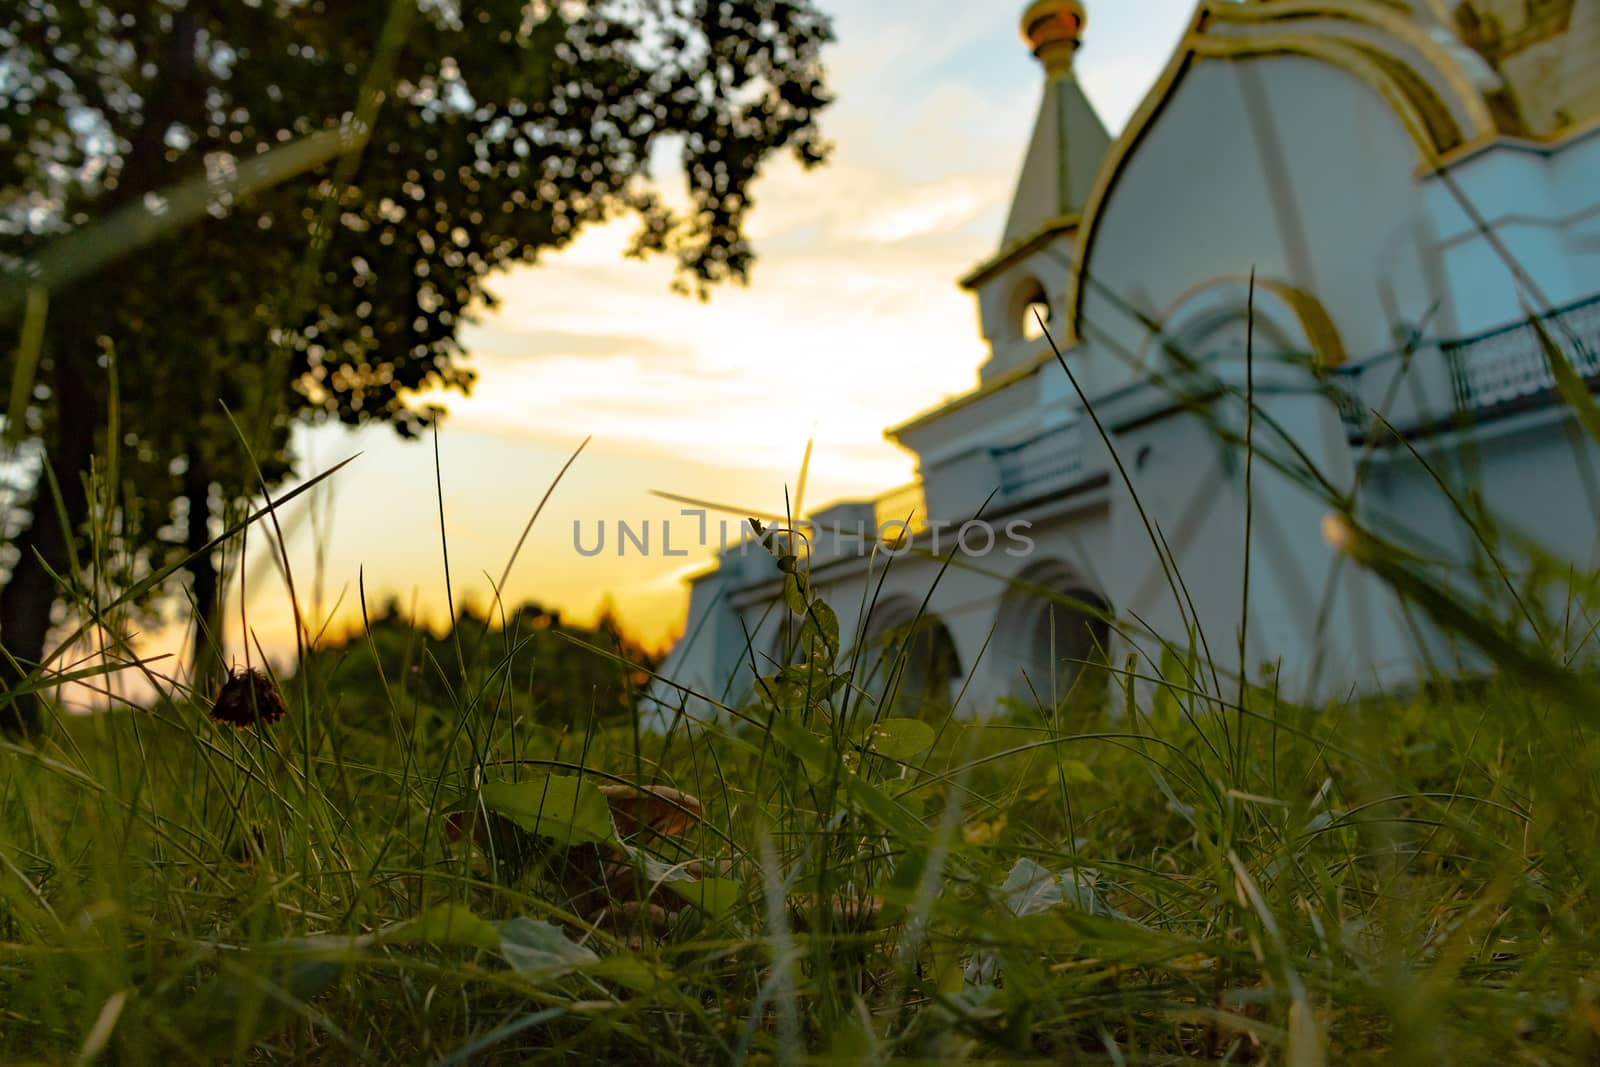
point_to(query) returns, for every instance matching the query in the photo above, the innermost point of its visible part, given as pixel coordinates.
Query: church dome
(1054, 29)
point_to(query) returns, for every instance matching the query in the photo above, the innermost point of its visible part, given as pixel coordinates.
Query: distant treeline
(532, 664)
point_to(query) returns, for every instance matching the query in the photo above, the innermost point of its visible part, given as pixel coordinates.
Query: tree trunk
(206, 651)
(30, 595)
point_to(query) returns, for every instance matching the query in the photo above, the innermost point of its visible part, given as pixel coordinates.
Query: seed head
(246, 695)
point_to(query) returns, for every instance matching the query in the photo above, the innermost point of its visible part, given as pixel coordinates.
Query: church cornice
(1019, 250)
(1542, 144)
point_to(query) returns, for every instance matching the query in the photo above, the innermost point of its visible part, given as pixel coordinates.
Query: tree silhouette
(467, 138)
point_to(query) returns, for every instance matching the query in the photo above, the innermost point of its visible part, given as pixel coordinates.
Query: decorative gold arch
(1306, 311)
(1443, 77)
(1415, 76)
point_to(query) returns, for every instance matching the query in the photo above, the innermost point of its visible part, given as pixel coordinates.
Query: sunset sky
(852, 322)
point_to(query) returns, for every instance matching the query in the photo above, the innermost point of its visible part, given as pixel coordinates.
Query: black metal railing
(1510, 363)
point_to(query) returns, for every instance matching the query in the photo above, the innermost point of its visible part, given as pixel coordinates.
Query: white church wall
(1543, 207)
(1573, 167)
(1328, 624)
(1013, 409)
(965, 597)
(1537, 475)
(1407, 390)
(1302, 193)
(1318, 621)
(701, 664)
(1507, 190)
(1186, 484)
(1576, 181)
(1542, 478)
(957, 487)
(891, 590)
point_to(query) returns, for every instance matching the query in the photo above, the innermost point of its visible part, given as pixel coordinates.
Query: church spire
(1069, 140)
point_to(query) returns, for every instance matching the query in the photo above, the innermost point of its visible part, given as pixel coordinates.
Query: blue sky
(852, 323)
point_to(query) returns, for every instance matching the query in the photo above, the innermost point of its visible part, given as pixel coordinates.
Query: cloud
(935, 208)
(540, 343)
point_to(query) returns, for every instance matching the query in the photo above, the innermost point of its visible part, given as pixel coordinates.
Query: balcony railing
(1050, 459)
(1510, 363)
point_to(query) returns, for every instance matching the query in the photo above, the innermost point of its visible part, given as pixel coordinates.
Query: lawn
(444, 853)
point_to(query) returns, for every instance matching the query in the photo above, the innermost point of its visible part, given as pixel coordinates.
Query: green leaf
(821, 759)
(641, 975)
(820, 628)
(813, 674)
(564, 808)
(532, 946)
(1032, 888)
(779, 693)
(802, 685)
(900, 739)
(528, 945)
(444, 924)
(796, 592)
(714, 896)
(250, 1000)
(1569, 384)
(1076, 771)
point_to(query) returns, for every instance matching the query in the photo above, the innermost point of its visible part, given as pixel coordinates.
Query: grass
(431, 859)
(420, 866)
(466, 850)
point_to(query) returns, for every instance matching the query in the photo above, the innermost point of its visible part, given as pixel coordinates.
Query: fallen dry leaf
(659, 808)
(850, 913)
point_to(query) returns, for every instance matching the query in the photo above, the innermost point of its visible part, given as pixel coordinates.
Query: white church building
(1406, 181)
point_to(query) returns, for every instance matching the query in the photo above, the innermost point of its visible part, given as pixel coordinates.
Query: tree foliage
(532, 665)
(320, 283)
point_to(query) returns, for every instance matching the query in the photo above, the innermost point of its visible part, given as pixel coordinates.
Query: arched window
(1032, 307)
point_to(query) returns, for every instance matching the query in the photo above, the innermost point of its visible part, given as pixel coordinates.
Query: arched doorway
(909, 661)
(1054, 635)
